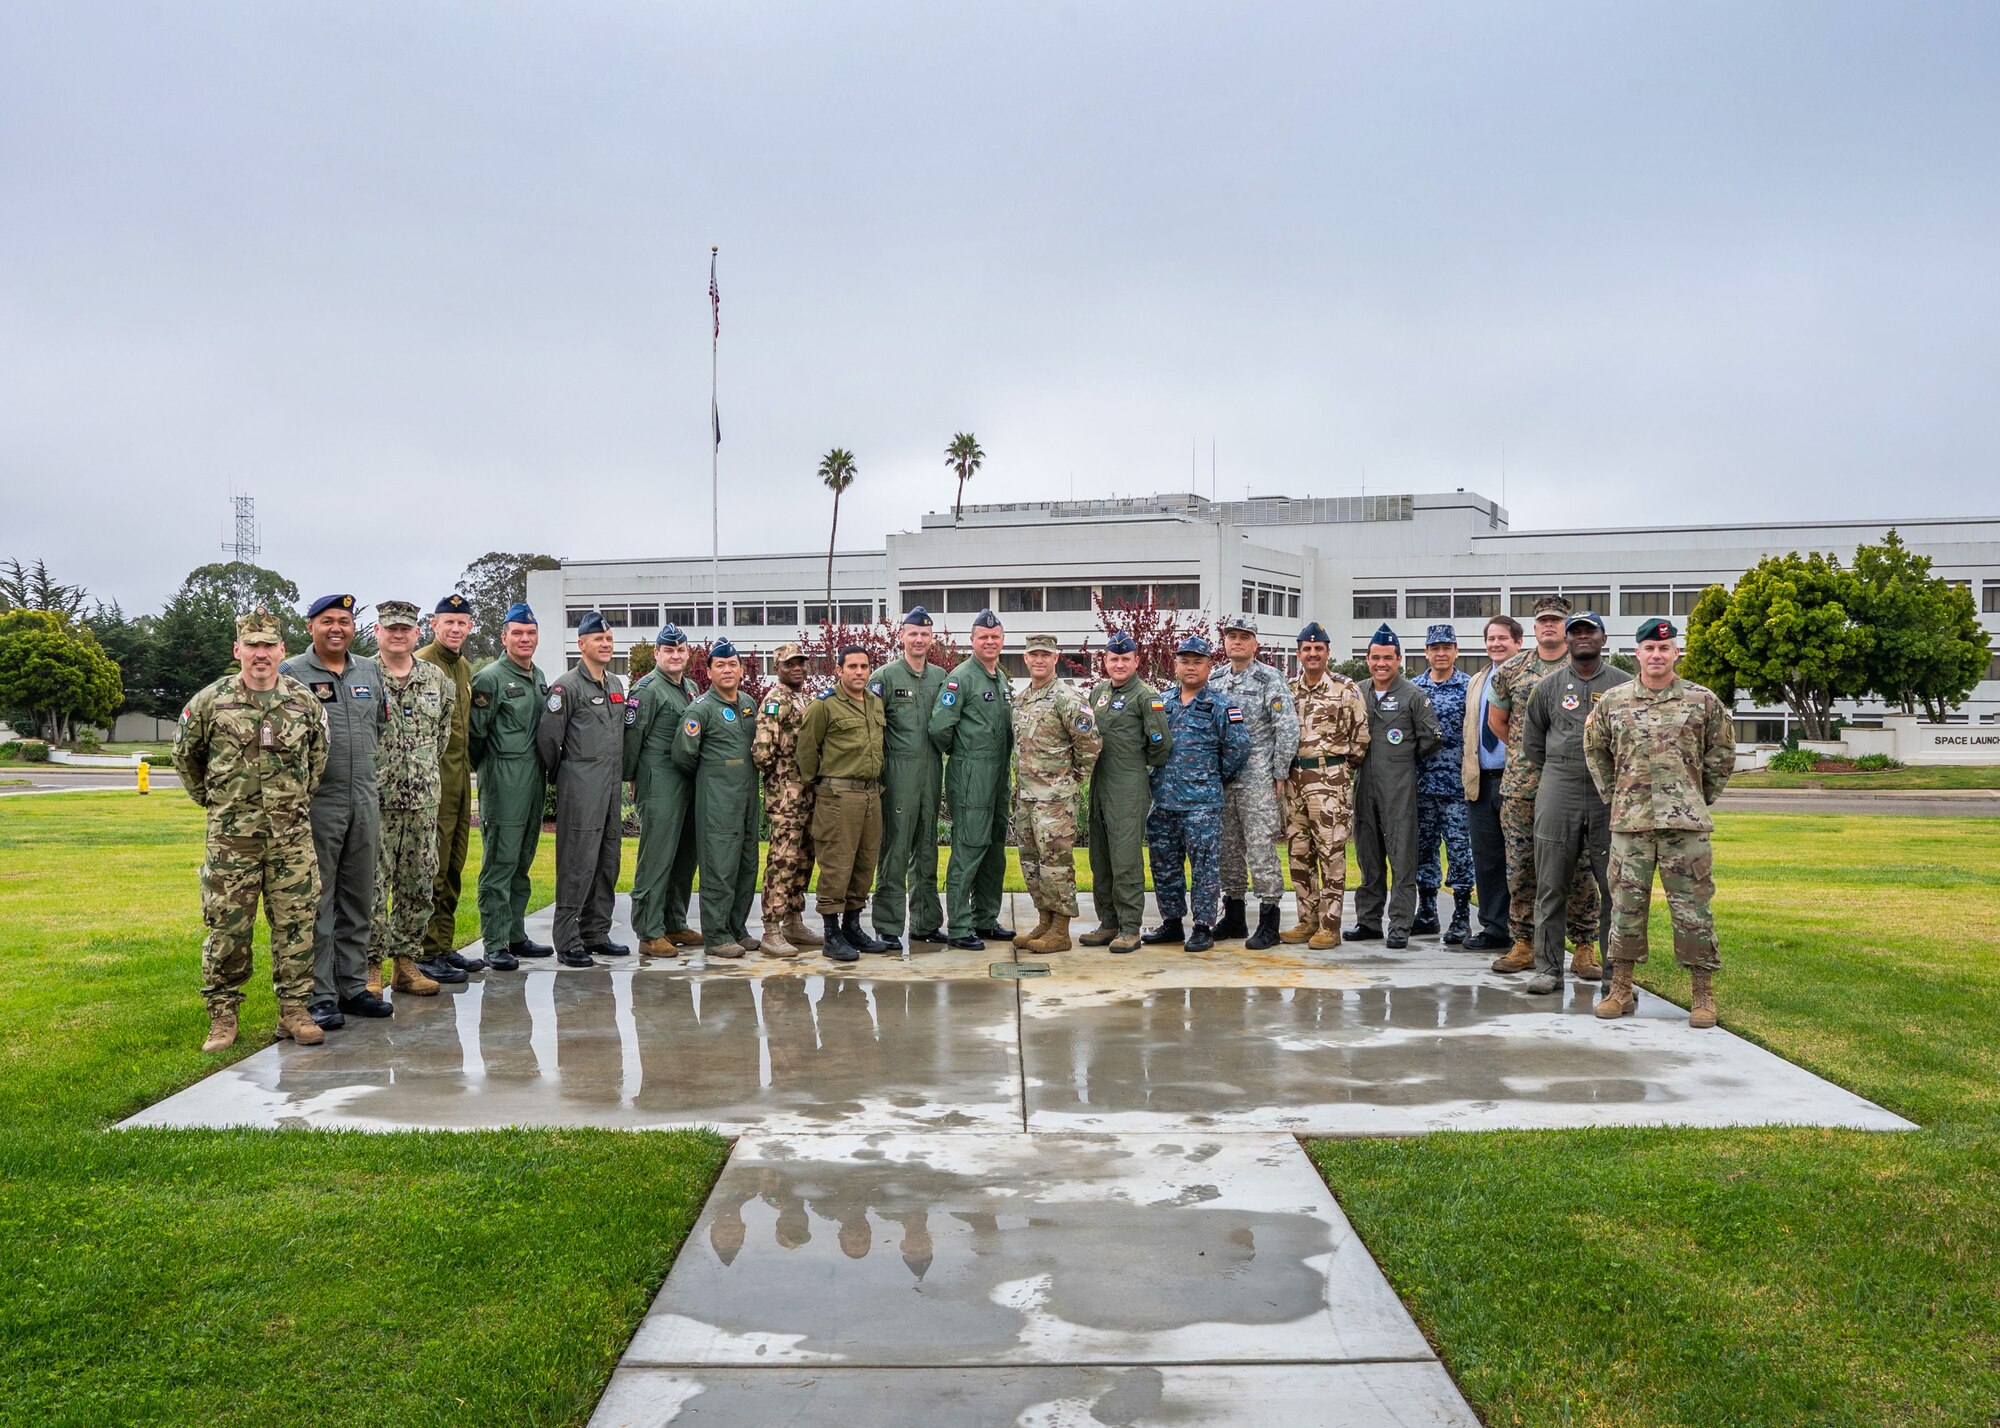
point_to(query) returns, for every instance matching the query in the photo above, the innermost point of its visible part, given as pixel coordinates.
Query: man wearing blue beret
(1441, 813)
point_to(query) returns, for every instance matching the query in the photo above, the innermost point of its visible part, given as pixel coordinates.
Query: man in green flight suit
(664, 796)
(906, 875)
(507, 700)
(451, 622)
(713, 746)
(1132, 721)
(973, 722)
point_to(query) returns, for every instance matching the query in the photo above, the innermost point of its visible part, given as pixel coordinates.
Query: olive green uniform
(582, 739)
(713, 745)
(500, 739)
(906, 874)
(664, 796)
(840, 759)
(1132, 722)
(972, 721)
(454, 815)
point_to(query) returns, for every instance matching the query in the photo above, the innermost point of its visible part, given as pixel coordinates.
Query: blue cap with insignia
(1314, 630)
(1121, 643)
(670, 634)
(1385, 636)
(986, 620)
(592, 623)
(722, 649)
(330, 602)
(1584, 617)
(518, 614)
(1440, 635)
(918, 616)
(1195, 645)
(453, 604)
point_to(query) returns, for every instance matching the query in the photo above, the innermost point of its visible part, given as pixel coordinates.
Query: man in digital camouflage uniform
(1661, 749)
(788, 804)
(1319, 796)
(250, 749)
(1441, 815)
(1184, 828)
(422, 705)
(1055, 744)
(1251, 812)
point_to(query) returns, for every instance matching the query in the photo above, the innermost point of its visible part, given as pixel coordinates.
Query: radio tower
(245, 547)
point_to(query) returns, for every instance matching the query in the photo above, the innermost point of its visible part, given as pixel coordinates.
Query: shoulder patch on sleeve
(772, 706)
(555, 701)
(1159, 706)
(693, 727)
(875, 688)
(1235, 715)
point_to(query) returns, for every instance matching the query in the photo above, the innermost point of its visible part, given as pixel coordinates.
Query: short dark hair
(1506, 622)
(862, 650)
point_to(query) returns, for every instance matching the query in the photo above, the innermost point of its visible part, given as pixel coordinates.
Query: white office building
(1349, 562)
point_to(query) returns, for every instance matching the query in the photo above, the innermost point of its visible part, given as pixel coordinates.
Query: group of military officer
(339, 791)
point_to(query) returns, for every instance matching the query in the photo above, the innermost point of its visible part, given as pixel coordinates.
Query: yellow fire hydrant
(145, 777)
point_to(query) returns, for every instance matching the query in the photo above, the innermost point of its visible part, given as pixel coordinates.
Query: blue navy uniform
(1210, 748)
(1441, 810)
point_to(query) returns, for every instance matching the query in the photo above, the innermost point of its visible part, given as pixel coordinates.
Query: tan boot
(375, 977)
(799, 935)
(408, 979)
(1099, 936)
(1621, 1000)
(1302, 933)
(1325, 939)
(656, 946)
(774, 944)
(1022, 939)
(686, 937)
(1583, 962)
(221, 1029)
(1123, 942)
(1701, 1012)
(1052, 938)
(1520, 957)
(296, 1023)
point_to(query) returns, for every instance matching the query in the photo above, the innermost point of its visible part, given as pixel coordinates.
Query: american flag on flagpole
(714, 296)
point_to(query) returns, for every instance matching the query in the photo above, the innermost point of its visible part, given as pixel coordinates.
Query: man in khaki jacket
(1484, 762)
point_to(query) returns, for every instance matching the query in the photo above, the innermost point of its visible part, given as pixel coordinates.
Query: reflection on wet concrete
(913, 1249)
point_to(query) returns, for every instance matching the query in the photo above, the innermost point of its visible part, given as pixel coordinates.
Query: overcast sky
(430, 280)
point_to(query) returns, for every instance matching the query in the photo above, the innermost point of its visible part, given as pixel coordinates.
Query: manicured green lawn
(1971, 776)
(1776, 1276)
(259, 1277)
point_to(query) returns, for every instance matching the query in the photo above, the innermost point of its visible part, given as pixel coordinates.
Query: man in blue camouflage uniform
(1210, 748)
(1441, 791)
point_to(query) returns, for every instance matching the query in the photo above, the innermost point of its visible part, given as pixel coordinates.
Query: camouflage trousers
(1045, 828)
(1441, 818)
(1319, 819)
(1250, 825)
(1186, 836)
(1686, 866)
(788, 868)
(406, 869)
(1580, 911)
(284, 872)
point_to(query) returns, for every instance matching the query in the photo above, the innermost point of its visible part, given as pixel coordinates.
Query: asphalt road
(52, 780)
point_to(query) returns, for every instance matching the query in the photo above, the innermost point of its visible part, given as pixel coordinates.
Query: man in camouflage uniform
(788, 803)
(906, 877)
(970, 723)
(1055, 744)
(1661, 749)
(1132, 723)
(507, 700)
(250, 750)
(664, 797)
(1250, 806)
(451, 622)
(1441, 791)
(422, 711)
(1507, 695)
(1184, 828)
(1319, 796)
(840, 758)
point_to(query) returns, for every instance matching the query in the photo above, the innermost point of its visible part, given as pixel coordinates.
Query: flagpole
(714, 447)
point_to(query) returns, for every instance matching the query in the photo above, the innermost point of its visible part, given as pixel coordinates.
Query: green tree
(492, 583)
(194, 639)
(31, 587)
(836, 473)
(1787, 634)
(1929, 648)
(129, 643)
(964, 457)
(54, 676)
(1701, 657)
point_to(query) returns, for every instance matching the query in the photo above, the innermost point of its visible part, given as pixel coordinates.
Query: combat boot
(1520, 957)
(1621, 1000)
(775, 944)
(684, 937)
(833, 946)
(1427, 912)
(1583, 962)
(1327, 937)
(296, 1023)
(861, 939)
(1232, 923)
(1266, 934)
(1102, 936)
(656, 946)
(222, 1029)
(408, 979)
(375, 976)
(1199, 940)
(798, 934)
(1125, 942)
(1461, 921)
(1022, 939)
(1302, 932)
(1053, 938)
(1168, 931)
(1701, 1010)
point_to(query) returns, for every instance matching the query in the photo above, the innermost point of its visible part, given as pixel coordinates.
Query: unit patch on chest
(1395, 736)
(323, 690)
(1570, 701)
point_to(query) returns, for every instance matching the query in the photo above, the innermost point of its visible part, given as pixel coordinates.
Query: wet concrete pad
(907, 1250)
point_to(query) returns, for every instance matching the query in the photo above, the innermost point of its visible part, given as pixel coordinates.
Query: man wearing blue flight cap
(1184, 828)
(581, 739)
(1441, 814)
(1132, 722)
(1401, 731)
(663, 793)
(906, 870)
(714, 748)
(507, 700)
(973, 722)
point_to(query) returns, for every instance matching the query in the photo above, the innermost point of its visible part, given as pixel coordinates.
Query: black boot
(1361, 932)
(1201, 939)
(836, 948)
(859, 937)
(1169, 930)
(1461, 919)
(1427, 912)
(1232, 923)
(1266, 934)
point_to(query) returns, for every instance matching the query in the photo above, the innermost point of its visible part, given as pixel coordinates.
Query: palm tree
(836, 469)
(964, 457)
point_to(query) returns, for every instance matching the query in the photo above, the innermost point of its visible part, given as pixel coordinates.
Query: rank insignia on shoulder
(692, 728)
(1277, 706)
(555, 701)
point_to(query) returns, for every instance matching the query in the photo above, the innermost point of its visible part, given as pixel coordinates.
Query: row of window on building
(1043, 599)
(1520, 603)
(787, 615)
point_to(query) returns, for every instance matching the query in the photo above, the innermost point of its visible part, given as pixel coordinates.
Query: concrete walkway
(961, 1197)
